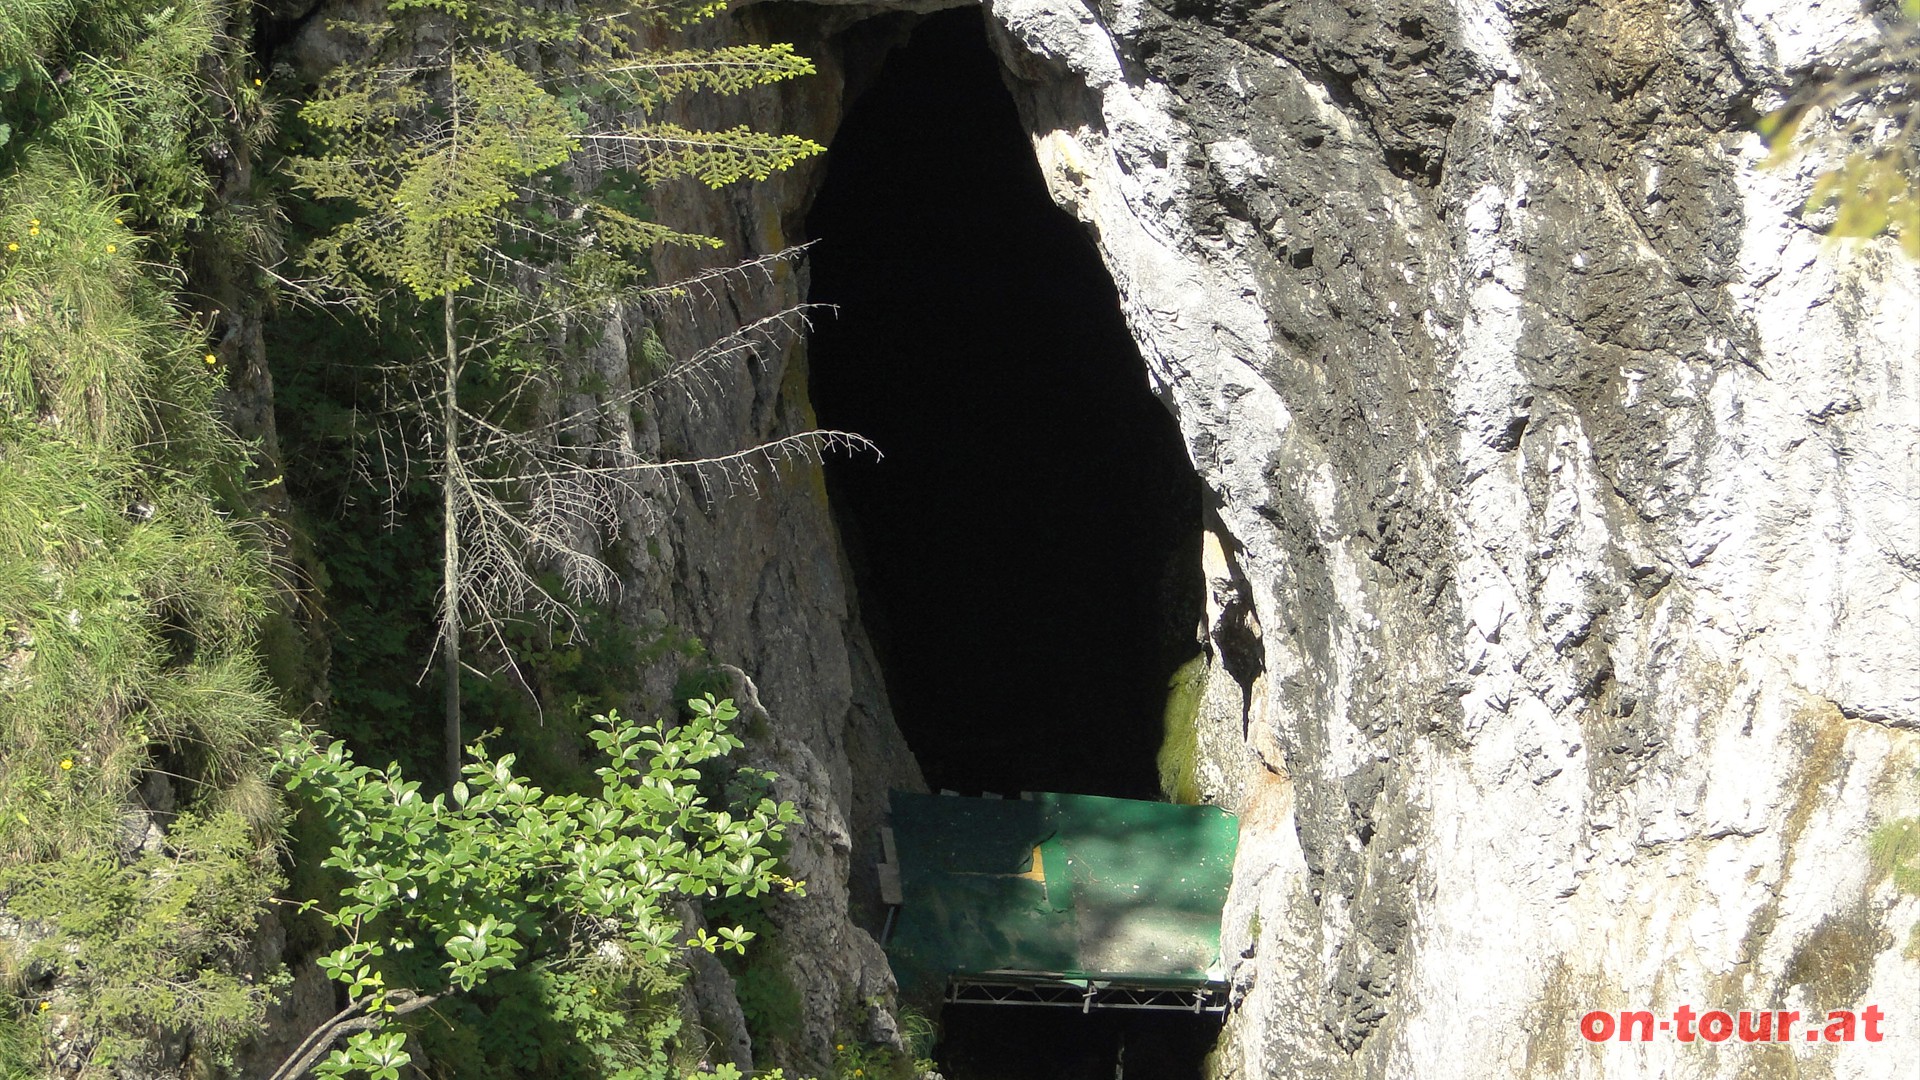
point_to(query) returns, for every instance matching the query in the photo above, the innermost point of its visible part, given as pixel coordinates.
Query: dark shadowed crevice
(987, 1042)
(1027, 551)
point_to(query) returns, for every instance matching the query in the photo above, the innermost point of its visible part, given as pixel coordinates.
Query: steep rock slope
(1566, 488)
(1563, 592)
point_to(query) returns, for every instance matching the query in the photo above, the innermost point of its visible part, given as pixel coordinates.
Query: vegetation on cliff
(1861, 115)
(136, 820)
(479, 183)
(472, 150)
(575, 895)
(141, 825)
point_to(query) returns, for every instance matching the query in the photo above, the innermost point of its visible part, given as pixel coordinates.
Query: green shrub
(574, 895)
(769, 999)
(132, 946)
(856, 1060)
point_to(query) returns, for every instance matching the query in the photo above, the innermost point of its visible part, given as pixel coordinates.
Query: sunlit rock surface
(1563, 593)
(1569, 502)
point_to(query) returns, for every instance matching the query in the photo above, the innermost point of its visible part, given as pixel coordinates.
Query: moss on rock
(1179, 755)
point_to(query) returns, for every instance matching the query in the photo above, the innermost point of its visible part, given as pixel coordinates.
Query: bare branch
(345, 1022)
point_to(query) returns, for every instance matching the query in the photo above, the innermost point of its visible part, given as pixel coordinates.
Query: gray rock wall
(744, 558)
(1568, 492)
(1563, 597)
(750, 562)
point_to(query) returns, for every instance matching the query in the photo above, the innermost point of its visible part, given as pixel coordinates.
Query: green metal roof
(1062, 887)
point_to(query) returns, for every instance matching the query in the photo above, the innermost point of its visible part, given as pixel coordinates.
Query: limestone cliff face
(1568, 554)
(748, 560)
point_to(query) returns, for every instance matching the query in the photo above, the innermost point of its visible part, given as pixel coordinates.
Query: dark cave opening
(1027, 551)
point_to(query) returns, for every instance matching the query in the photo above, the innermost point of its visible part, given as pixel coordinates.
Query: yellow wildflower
(35, 231)
(256, 82)
(111, 248)
(66, 764)
(212, 359)
(45, 1005)
(34, 221)
(13, 247)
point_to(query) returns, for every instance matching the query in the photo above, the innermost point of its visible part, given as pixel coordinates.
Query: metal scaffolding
(1054, 899)
(1088, 995)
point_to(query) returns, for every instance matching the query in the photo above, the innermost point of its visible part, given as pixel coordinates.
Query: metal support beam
(1088, 996)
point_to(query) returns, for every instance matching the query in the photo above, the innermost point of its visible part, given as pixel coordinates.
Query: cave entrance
(1027, 552)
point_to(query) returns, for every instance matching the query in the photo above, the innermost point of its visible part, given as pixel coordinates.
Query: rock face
(747, 559)
(1563, 594)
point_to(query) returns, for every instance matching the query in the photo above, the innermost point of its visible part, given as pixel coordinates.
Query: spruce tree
(486, 149)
